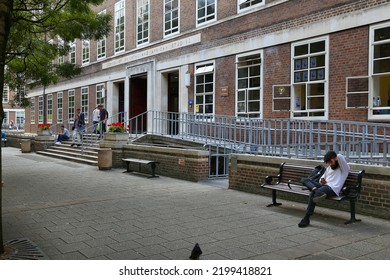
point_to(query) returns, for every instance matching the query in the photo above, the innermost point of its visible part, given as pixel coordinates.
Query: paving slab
(74, 211)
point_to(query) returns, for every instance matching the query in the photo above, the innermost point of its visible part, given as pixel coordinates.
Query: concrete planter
(25, 146)
(116, 136)
(43, 132)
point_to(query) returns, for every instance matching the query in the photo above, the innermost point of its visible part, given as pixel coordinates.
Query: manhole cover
(24, 249)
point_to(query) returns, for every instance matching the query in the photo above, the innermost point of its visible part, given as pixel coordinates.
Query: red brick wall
(348, 57)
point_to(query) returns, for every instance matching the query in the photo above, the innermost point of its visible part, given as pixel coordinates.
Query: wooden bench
(289, 180)
(4, 142)
(141, 162)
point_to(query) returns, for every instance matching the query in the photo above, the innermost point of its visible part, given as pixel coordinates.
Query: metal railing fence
(361, 142)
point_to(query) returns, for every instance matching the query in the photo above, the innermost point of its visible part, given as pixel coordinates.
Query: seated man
(331, 183)
(64, 135)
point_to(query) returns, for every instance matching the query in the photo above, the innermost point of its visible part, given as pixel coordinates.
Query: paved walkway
(75, 211)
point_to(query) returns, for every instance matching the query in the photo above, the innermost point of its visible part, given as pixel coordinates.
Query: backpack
(312, 180)
(317, 172)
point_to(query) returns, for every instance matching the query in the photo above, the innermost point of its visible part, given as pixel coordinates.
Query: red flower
(43, 126)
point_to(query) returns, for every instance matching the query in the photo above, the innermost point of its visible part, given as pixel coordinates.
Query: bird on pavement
(196, 252)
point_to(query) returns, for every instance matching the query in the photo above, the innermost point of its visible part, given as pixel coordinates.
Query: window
(60, 51)
(85, 50)
(32, 110)
(204, 89)
(40, 109)
(84, 102)
(119, 26)
(49, 110)
(246, 4)
(60, 115)
(5, 119)
(20, 119)
(379, 101)
(72, 53)
(142, 21)
(71, 105)
(101, 44)
(99, 94)
(5, 93)
(171, 17)
(206, 11)
(248, 96)
(309, 78)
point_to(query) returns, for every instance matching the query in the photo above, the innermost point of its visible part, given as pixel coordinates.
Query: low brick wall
(186, 164)
(247, 173)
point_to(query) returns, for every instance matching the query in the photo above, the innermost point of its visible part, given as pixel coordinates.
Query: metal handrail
(85, 144)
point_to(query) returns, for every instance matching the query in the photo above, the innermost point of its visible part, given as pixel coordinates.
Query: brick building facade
(304, 59)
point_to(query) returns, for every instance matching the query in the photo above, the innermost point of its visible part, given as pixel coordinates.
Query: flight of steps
(87, 154)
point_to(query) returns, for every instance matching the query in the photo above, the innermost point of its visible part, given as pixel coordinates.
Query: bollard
(104, 158)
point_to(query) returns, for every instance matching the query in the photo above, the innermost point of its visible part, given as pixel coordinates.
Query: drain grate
(24, 249)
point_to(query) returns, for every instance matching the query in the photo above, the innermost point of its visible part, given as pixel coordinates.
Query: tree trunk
(5, 25)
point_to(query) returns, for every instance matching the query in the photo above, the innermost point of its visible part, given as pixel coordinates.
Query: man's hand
(323, 181)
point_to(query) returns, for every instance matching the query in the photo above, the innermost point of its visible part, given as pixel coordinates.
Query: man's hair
(329, 155)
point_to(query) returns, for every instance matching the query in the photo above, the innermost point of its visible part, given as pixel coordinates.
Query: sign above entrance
(154, 51)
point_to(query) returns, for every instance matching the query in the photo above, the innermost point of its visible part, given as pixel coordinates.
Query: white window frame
(260, 88)
(71, 104)
(308, 83)
(85, 102)
(61, 44)
(72, 53)
(204, 20)
(374, 82)
(101, 46)
(100, 94)
(40, 109)
(60, 107)
(49, 108)
(251, 5)
(119, 26)
(171, 13)
(85, 48)
(204, 69)
(32, 110)
(142, 40)
(5, 93)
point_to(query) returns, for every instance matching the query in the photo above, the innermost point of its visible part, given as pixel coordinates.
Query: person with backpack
(330, 183)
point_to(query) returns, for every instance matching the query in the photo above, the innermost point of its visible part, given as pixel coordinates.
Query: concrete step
(92, 155)
(69, 157)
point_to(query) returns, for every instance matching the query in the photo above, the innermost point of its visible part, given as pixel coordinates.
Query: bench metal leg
(353, 218)
(274, 203)
(127, 167)
(153, 165)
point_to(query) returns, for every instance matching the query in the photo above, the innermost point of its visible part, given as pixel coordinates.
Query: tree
(33, 35)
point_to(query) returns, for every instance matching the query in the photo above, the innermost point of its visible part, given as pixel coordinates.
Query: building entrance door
(173, 103)
(138, 103)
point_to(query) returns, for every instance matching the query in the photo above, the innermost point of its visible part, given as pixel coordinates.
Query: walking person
(103, 119)
(76, 136)
(95, 118)
(330, 183)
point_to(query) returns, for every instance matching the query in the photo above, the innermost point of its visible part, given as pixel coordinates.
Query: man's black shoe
(305, 221)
